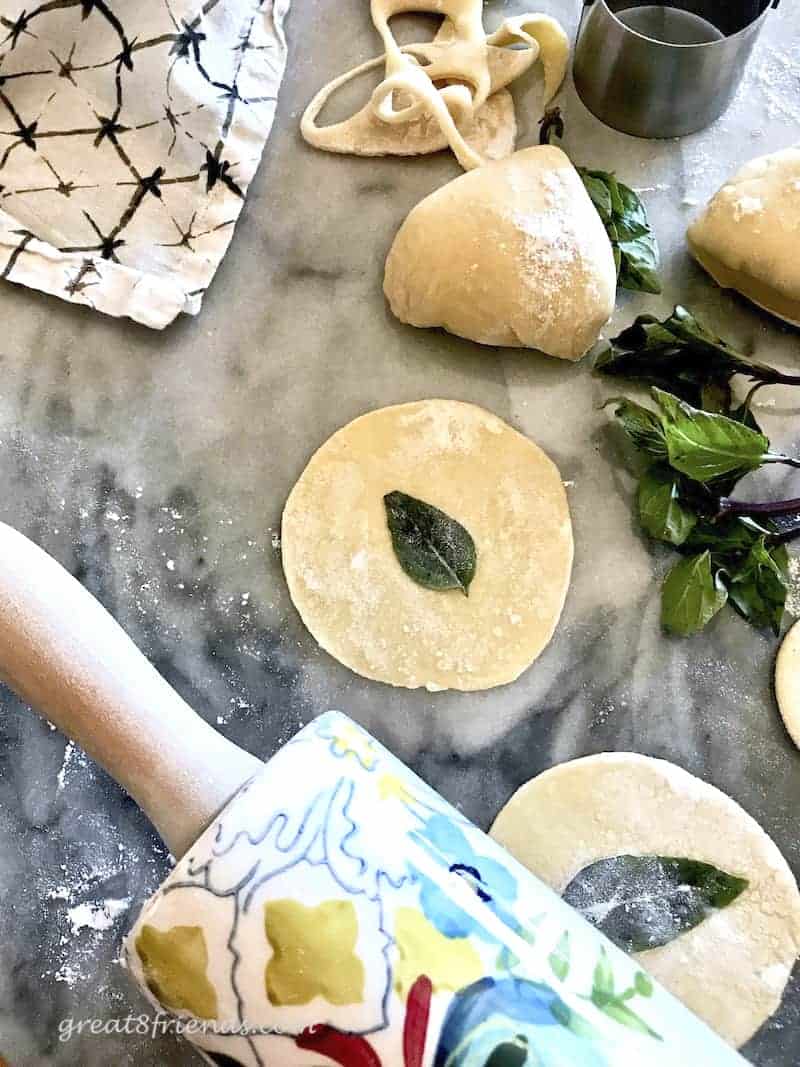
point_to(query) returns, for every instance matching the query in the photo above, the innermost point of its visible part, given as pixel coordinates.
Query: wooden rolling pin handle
(62, 652)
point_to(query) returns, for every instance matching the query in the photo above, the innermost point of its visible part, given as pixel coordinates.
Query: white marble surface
(155, 467)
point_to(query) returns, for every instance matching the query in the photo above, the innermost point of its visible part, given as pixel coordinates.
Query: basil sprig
(635, 247)
(683, 357)
(624, 216)
(698, 443)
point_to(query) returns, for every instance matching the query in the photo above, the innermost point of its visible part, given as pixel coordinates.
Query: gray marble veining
(155, 466)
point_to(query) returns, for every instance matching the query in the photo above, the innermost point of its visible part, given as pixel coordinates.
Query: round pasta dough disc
(787, 682)
(731, 969)
(347, 582)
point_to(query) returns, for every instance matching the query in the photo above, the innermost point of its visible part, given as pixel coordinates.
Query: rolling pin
(327, 907)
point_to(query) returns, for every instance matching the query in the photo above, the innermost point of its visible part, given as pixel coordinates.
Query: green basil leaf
(599, 194)
(727, 540)
(642, 902)
(625, 219)
(716, 397)
(617, 191)
(758, 588)
(705, 446)
(433, 549)
(661, 512)
(638, 266)
(642, 425)
(683, 357)
(683, 325)
(692, 594)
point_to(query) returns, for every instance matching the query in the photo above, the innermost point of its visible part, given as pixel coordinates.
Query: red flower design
(349, 1050)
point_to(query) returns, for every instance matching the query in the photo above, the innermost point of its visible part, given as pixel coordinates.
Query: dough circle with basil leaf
(486, 492)
(732, 965)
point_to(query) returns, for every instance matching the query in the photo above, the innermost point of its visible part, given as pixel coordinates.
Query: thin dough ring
(730, 970)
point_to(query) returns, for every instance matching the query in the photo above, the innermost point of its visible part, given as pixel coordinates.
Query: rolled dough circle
(787, 682)
(731, 969)
(349, 587)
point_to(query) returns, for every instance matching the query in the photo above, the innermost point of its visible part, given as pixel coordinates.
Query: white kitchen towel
(129, 133)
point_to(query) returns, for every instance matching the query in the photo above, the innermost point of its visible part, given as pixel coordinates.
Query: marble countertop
(155, 467)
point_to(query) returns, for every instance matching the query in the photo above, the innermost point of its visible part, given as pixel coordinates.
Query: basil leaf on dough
(705, 446)
(642, 902)
(692, 594)
(628, 228)
(662, 513)
(432, 548)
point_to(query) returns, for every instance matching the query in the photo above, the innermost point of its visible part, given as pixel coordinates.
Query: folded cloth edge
(105, 285)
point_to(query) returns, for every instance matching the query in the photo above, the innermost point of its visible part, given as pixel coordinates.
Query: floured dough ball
(732, 968)
(748, 235)
(787, 682)
(513, 253)
(349, 586)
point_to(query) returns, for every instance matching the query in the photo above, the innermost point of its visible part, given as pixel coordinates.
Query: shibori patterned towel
(129, 133)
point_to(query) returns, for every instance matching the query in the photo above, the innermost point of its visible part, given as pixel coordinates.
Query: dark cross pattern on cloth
(30, 133)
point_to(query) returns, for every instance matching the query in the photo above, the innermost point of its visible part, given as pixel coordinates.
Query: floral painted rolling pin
(329, 907)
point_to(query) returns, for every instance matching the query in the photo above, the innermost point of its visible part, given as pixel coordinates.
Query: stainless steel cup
(633, 74)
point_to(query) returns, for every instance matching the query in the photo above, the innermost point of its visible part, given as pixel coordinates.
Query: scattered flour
(97, 917)
(747, 205)
(73, 757)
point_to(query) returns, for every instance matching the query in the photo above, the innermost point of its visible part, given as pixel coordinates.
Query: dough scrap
(513, 254)
(351, 591)
(463, 67)
(747, 236)
(491, 132)
(731, 969)
(787, 682)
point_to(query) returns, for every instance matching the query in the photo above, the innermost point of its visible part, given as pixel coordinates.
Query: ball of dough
(747, 236)
(513, 253)
(349, 587)
(787, 682)
(731, 969)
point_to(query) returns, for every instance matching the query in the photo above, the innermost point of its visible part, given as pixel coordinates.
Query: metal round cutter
(666, 69)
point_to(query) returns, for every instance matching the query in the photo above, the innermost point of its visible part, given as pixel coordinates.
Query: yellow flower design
(350, 740)
(392, 787)
(450, 962)
(313, 953)
(175, 963)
